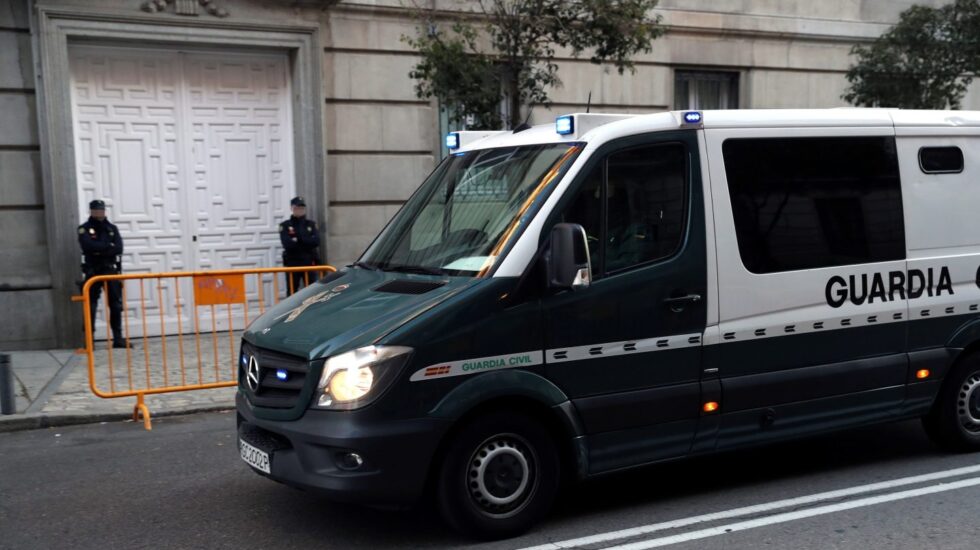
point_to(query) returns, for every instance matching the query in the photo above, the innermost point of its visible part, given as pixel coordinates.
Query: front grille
(261, 439)
(273, 392)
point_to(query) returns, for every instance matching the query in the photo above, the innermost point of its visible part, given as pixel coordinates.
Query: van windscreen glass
(469, 209)
(806, 203)
(941, 160)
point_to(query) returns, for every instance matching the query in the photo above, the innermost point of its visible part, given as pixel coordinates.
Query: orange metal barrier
(182, 321)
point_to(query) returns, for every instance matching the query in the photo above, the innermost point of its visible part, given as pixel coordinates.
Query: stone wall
(381, 139)
(25, 275)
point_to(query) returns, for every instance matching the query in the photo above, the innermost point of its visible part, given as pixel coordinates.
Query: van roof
(839, 117)
(601, 127)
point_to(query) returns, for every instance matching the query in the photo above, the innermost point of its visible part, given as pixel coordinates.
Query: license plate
(255, 458)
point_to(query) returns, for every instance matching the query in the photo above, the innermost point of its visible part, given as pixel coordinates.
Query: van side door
(812, 277)
(939, 182)
(627, 350)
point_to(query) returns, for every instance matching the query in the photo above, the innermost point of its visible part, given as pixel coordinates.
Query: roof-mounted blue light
(452, 141)
(282, 374)
(692, 117)
(565, 125)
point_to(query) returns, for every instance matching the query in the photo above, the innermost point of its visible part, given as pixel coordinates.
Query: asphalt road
(183, 486)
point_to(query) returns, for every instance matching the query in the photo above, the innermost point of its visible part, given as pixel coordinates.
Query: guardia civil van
(610, 291)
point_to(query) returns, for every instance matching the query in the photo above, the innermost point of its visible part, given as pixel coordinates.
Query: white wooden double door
(192, 152)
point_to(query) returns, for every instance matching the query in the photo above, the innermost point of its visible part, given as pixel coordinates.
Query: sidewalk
(52, 389)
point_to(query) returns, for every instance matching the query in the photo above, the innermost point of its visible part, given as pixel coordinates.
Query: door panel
(634, 409)
(811, 274)
(193, 153)
(240, 163)
(629, 360)
(743, 428)
(807, 383)
(126, 117)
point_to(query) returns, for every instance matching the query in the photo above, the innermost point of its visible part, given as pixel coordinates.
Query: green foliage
(925, 61)
(450, 71)
(513, 56)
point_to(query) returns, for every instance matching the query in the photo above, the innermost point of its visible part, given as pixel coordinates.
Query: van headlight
(353, 379)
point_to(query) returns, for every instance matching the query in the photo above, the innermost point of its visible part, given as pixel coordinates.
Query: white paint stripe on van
(712, 337)
(479, 364)
(755, 509)
(800, 514)
(645, 345)
(741, 332)
(738, 332)
(558, 355)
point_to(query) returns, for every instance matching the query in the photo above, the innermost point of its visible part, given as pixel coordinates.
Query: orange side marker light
(710, 407)
(922, 374)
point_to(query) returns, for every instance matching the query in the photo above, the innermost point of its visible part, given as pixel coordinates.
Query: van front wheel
(499, 477)
(954, 422)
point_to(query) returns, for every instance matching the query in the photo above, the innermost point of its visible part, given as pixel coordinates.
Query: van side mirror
(567, 261)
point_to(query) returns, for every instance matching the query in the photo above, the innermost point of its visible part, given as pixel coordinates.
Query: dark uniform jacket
(300, 240)
(102, 247)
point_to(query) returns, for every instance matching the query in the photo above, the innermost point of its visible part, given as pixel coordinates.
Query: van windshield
(468, 210)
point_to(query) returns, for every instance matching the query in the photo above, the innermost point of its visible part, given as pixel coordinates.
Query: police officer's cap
(298, 201)
(96, 205)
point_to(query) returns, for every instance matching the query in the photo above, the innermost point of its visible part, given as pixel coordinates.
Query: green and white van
(610, 291)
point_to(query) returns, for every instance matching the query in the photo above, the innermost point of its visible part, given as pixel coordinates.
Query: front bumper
(305, 453)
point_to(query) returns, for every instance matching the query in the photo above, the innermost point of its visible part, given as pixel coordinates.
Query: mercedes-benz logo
(252, 373)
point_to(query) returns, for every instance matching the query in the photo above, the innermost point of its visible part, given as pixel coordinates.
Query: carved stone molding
(184, 7)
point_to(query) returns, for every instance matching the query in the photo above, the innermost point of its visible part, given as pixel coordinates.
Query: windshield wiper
(365, 265)
(416, 269)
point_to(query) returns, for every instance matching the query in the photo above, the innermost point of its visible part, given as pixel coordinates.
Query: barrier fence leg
(141, 408)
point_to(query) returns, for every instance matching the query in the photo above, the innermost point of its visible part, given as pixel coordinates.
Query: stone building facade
(196, 121)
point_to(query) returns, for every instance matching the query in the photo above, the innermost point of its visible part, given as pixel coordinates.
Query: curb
(35, 421)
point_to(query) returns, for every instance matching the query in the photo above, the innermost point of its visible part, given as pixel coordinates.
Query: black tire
(954, 421)
(504, 457)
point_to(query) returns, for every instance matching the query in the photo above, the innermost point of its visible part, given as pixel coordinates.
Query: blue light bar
(692, 117)
(282, 374)
(452, 141)
(565, 125)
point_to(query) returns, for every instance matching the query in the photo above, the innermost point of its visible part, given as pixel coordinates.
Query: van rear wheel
(499, 476)
(954, 421)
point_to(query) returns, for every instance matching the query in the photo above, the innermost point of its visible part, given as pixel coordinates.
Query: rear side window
(941, 160)
(806, 203)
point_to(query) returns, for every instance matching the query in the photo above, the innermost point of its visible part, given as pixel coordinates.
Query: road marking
(755, 509)
(801, 514)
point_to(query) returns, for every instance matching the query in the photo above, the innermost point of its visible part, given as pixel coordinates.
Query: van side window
(941, 160)
(806, 203)
(645, 189)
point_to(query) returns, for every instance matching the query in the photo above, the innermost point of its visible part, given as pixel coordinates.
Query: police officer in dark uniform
(300, 242)
(102, 249)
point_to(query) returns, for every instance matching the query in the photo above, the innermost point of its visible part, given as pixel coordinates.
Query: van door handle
(677, 303)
